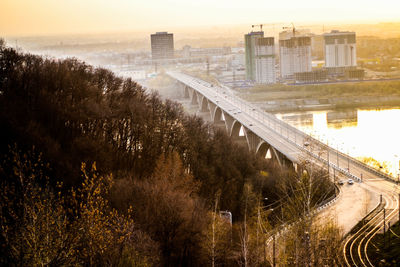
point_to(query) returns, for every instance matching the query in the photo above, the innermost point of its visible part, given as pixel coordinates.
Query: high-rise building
(162, 45)
(250, 42)
(294, 54)
(340, 49)
(265, 60)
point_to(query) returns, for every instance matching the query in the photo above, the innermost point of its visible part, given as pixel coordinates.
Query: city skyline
(41, 17)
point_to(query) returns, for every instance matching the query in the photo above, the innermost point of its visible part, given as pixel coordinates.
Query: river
(362, 133)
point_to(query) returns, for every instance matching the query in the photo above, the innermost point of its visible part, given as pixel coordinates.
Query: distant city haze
(43, 17)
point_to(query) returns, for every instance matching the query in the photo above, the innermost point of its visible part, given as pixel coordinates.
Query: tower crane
(258, 25)
(293, 29)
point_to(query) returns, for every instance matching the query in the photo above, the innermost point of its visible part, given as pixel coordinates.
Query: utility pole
(384, 226)
(208, 66)
(258, 228)
(389, 234)
(337, 155)
(234, 77)
(334, 175)
(327, 149)
(273, 251)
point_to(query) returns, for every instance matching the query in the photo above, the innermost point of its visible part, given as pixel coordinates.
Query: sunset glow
(28, 17)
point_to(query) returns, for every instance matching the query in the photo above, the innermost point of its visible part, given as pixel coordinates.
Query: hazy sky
(30, 17)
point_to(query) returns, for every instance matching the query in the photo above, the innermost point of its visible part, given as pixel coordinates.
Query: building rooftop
(256, 33)
(337, 32)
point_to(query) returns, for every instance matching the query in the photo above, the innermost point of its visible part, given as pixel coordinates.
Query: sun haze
(32, 17)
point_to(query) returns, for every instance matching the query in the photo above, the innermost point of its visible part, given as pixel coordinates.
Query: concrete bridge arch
(204, 104)
(263, 148)
(235, 129)
(222, 118)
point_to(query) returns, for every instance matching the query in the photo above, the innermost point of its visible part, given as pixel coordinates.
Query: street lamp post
(273, 251)
(337, 155)
(398, 171)
(327, 150)
(348, 160)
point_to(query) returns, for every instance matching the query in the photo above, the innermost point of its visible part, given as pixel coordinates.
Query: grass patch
(282, 91)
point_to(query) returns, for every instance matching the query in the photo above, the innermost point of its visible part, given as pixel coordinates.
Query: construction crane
(258, 25)
(293, 29)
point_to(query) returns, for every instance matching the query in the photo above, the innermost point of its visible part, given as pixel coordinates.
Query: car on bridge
(350, 181)
(340, 182)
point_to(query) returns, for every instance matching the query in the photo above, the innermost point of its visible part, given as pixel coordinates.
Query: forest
(96, 170)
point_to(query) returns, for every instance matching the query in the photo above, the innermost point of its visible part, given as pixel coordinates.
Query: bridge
(265, 134)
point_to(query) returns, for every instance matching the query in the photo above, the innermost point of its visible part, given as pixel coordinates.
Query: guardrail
(284, 227)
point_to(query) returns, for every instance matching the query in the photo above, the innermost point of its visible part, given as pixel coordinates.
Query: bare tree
(302, 244)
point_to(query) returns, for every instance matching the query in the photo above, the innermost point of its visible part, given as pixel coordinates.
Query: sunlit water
(360, 133)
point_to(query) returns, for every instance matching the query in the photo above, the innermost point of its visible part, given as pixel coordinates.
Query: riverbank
(313, 104)
(286, 98)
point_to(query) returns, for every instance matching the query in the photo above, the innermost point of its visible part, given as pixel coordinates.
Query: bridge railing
(261, 115)
(281, 127)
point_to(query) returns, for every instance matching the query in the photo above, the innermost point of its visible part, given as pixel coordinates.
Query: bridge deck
(291, 142)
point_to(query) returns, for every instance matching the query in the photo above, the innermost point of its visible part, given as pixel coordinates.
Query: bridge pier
(194, 98)
(252, 140)
(209, 111)
(229, 120)
(203, 104)
(275, 155)
(205, 115)
(213, 109)
(186, 91)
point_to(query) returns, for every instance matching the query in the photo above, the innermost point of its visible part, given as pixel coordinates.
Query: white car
(350, 181)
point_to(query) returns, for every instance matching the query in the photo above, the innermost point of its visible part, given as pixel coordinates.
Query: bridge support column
(203, 103)
(229, 120)
(235, 134)
(204, 115)
(212, 107)
(296, 168)
(287, 163)
(195, 99)
(252, 140)
(276, 155)
(186, 91)
(282, 160)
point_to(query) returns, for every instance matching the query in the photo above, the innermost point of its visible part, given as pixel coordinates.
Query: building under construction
(250, 47)
(265, 60)
(340, 49)
(314, 76)
(295, 54)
